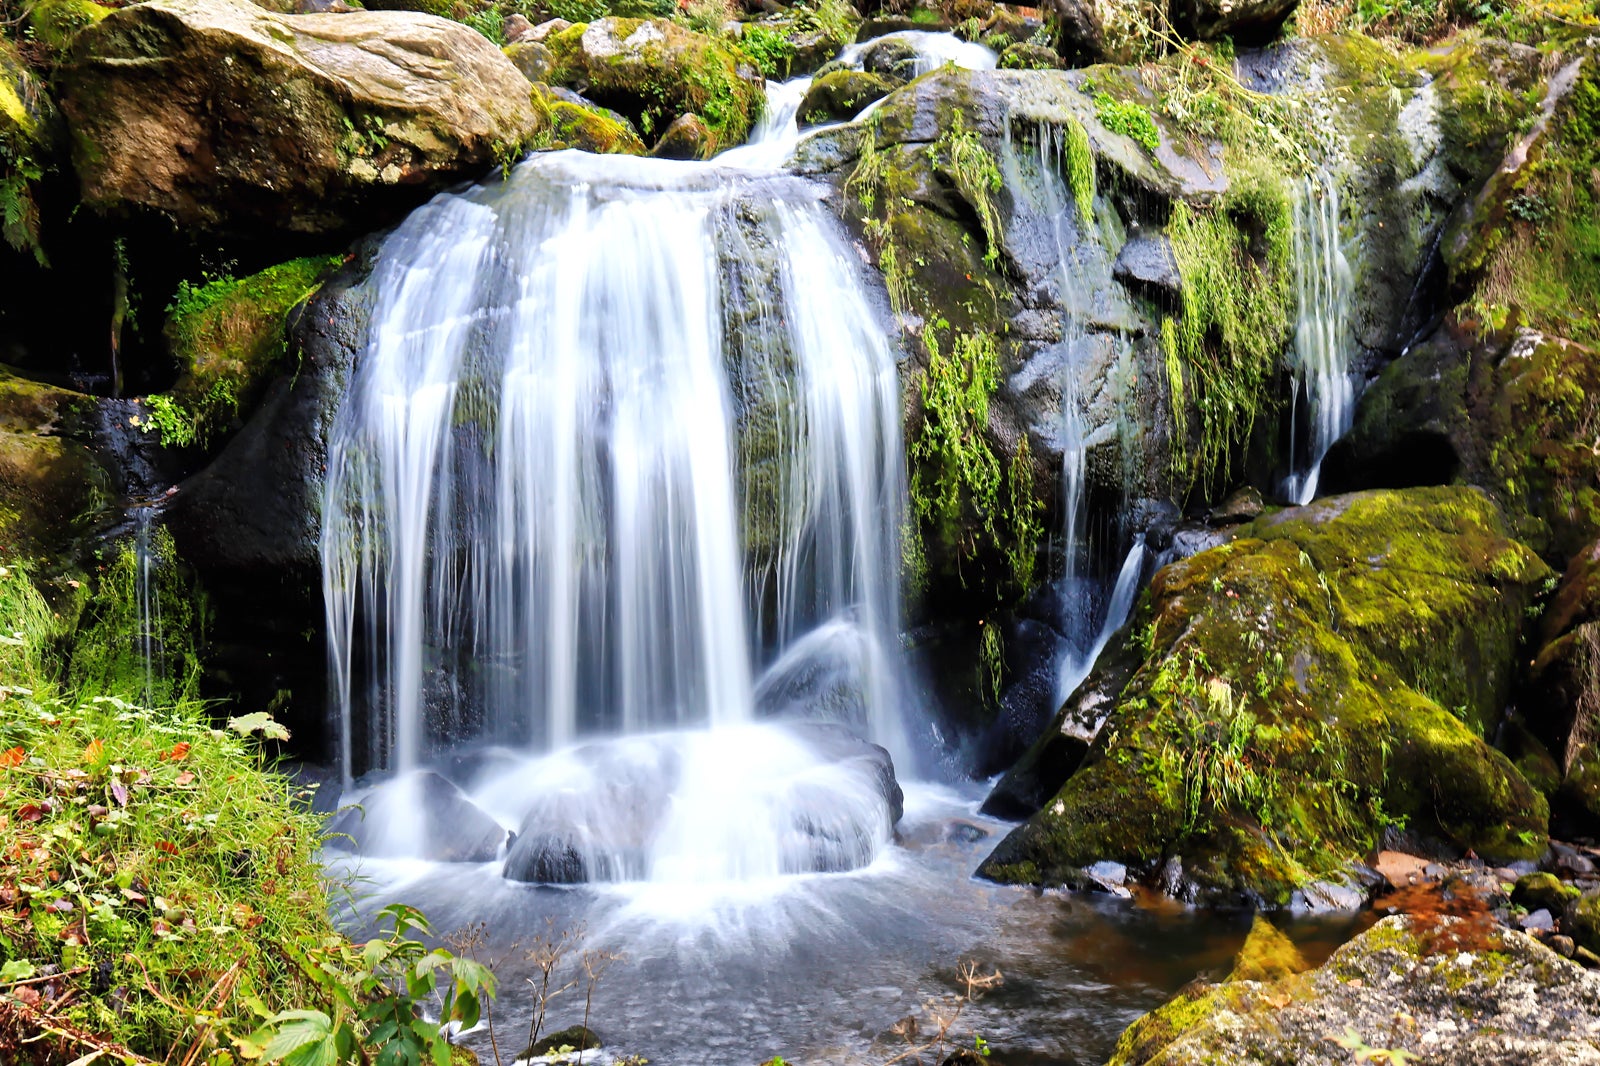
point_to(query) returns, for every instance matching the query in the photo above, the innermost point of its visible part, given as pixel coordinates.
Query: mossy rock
(228, 340)
(841, 95)
(653, 70)
(51, 487)
(1026, 56)
(573, 124)
(575, 1037)
(687, 138)
(1506, 413)
(532, 58)
(1292, 700)
(1543, 890)
(1346, 1009)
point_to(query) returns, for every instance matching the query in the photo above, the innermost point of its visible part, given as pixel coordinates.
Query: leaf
(303, 1038)
(30, 812)
(185, 778)
(16, 970)
(12, 757)
(119, 792)
(259, 722)
(94, 752)
(179, 751)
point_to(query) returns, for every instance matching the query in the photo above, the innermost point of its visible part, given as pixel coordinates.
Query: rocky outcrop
(219, 114)
(51, 485)
(1331, 668)
(1398, 992)
(653, 71)
(840, 95)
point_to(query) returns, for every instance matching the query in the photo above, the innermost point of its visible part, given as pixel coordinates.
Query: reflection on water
(818, 968)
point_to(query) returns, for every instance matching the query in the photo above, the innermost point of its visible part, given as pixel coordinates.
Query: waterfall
(624, 433)
(1322, 338)
(147, 599)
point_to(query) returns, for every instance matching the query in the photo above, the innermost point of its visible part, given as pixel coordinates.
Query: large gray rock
(218, 113)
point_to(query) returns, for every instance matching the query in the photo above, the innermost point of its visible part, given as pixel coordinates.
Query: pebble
(1540, 921)
(1561, 945)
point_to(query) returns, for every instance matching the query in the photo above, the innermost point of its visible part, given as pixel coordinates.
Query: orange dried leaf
(12, 757)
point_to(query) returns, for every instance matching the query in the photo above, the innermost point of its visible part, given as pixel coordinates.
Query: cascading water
(147, 598)
(1322, 336)
(624, 431)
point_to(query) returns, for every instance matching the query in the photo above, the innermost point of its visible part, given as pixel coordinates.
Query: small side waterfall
(1323, 342)
(624, 433)
(147, 599)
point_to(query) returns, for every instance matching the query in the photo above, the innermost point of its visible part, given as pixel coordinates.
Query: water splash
(933, 50)
(536, 512)
(1323, 342)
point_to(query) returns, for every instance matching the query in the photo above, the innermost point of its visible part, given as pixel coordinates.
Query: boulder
(1560, 701)
(1507, 413)
(533, 59)
(1080, 36)
(576, 123)
(1024, 55)
(839, 96)
(418, 816)
(653, 70)
(1333, 667)
(219, 114)
(687, 138)
(1526, 1004)
(52, 487)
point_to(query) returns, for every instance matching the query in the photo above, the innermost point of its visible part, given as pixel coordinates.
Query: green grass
(154, 858)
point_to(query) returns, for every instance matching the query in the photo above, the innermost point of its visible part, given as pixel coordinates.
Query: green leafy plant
(379, 990)
(977, 175)
(768, 49)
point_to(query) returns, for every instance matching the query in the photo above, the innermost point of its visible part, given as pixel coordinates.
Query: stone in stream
(418, 816)
(217, 113)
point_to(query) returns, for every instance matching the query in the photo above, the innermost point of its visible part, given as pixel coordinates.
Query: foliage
(768, 49)
(834, 19)
(1128, 119)
(1079, 160)
(21, 116)
(490, 21)
(961, 153)
(956, 389)
(378, 991)
(708, 16)
(1237, 307)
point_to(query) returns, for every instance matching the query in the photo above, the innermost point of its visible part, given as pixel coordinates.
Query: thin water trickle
(1323, 341)
(147, 598)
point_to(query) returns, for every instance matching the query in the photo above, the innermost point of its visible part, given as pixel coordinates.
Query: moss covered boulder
(51, 486)
(228, 337)
(1560, 701)
(1509, 413)
(571, 122)
(1405, 990)
(840, 95)
(1331, 670)
(218, 113)
(653, 70)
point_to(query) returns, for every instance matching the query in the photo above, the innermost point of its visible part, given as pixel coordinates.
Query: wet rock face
(1247, 21)
(220, 114)
(1526, 1006)
(1321, 645)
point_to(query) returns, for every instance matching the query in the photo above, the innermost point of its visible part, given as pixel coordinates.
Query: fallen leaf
(94, 752)
(119, 792)
(179, 751)
(184, 778)
(12, 757)
(31, 812)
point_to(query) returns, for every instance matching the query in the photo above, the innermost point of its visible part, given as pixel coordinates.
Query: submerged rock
(218, 113)
(1402, 987)
(418, 816)
(1334, 666)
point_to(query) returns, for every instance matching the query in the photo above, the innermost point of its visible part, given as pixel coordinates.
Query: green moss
(960, 153)
(1237, 307)
(1129, 119)
(589, 129)
(54, 23)
(1079, 160)
(769, 50)
(228, 336)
